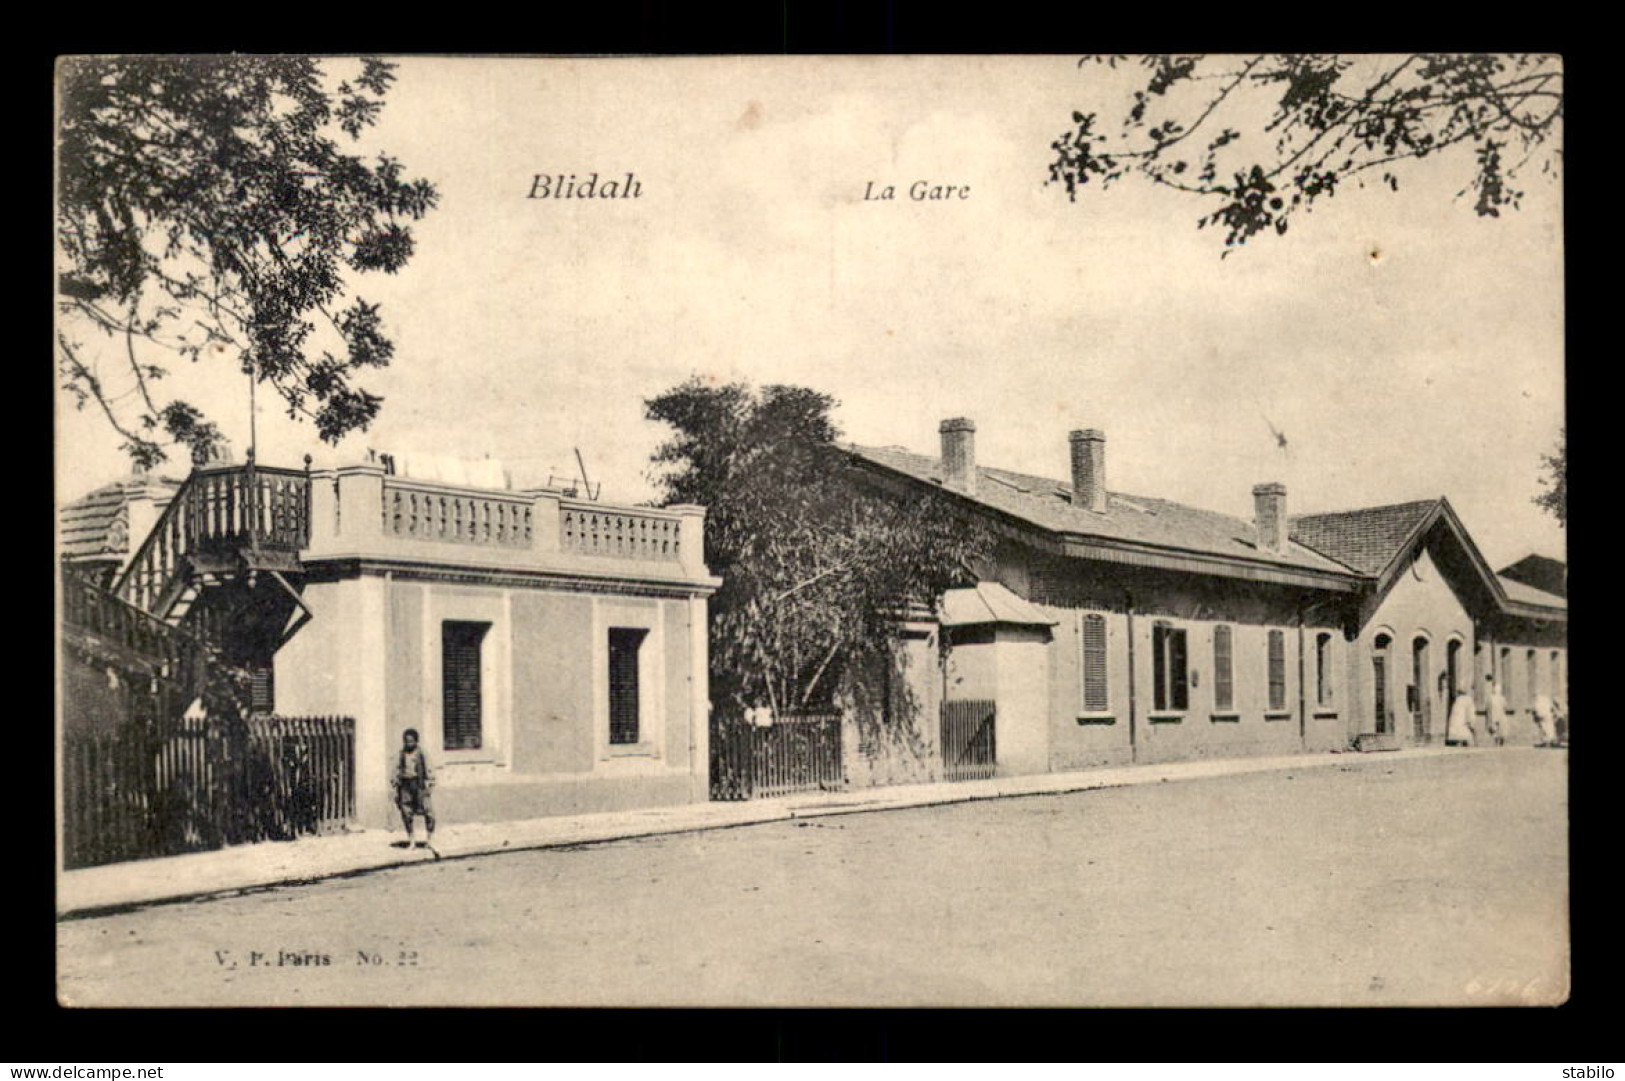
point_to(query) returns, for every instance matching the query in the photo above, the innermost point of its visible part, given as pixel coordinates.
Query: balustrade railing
(620, 534)
(427, 512)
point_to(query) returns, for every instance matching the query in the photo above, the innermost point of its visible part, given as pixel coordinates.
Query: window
(1170, 692)
(262, 690)
(1224, 681)
(1557, 674)
(1532, 688)
(624, 645)
(1094, 664)
(1277, 657)
(460, 646)
(1323, 669)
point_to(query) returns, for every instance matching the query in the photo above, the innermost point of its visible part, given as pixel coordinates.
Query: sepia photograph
(811, 531)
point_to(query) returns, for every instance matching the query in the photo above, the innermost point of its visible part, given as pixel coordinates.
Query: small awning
(989, 602)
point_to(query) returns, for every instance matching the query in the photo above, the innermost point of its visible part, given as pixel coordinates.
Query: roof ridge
(1434, 501)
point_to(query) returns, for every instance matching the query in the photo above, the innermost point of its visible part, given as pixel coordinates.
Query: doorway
(1421, 696)
(1379, 684)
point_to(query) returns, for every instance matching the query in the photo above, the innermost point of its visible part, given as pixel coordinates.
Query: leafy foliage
(1263, 137)
(1555, 498)
(816, 563)
(205, 209)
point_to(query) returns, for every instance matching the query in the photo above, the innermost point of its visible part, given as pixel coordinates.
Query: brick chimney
(959, 453)
(1269, 515)
(1089, 469)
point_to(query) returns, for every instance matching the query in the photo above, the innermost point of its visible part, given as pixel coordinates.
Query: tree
(1259, 138)
(816, 564)
(1555, 498)
(206, 211)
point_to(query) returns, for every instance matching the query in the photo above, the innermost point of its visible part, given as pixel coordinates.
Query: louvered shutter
(1095, 698)
(623, 685)
(1277, 653)
(1224, 684)
(1176, 669)
(460, 681)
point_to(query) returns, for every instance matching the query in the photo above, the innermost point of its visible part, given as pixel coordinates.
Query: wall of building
(895, 736)
(1079, 738)
(1422, 605)
(1022, 724)
(373, 650)
(1510, 641)
(1130, 728)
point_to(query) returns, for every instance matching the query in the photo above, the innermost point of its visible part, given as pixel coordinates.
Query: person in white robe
(1459, 729)
(1495, 713)
(1545, 720)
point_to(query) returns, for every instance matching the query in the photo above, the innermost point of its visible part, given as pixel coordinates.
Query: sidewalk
(247, 867)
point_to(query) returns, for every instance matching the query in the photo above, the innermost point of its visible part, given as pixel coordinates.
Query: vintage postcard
(811, 531)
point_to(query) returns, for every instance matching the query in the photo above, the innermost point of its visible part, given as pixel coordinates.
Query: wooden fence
(969, 751)
(150, 787)
(794, 754)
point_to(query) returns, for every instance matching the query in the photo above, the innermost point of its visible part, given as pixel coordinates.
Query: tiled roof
(1524, 593)
(97, 524)
(1365, 540)
(1543, 572)
(1047, 504)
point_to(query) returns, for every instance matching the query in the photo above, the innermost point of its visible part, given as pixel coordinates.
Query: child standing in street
(413, 780)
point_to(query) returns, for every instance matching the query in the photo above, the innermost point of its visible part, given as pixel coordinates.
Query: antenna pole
(585, 483)
(253, 414)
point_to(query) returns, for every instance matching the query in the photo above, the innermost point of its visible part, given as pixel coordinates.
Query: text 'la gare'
(921, 191)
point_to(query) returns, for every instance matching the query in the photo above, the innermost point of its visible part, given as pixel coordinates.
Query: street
(1383, 882)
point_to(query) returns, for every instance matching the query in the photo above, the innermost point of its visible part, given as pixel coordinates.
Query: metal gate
(969, 749)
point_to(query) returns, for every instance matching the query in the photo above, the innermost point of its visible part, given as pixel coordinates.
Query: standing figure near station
(1495, 713)
(412, 781)
(1459, 730)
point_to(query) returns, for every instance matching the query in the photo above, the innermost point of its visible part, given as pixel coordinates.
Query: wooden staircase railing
(218, 513)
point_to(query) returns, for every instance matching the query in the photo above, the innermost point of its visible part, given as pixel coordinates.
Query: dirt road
(1427, 881)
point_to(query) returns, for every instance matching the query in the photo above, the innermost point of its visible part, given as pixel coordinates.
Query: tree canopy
(816, 563)
(1260, 138)
(1555, 466)
(207, 211)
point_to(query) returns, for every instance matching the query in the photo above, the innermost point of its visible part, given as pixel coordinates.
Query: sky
(1406, 347)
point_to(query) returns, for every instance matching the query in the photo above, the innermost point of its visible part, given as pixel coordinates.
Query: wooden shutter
(1095, 699)
(1176, 669)
(460, 684)
(1224, 686)
(1159, 666)
(1277, 651)
(623, 684)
